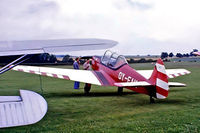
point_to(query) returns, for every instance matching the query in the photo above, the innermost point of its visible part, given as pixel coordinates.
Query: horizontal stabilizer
(171, 73)
(132, 84)
(28, 108)
(176, 84)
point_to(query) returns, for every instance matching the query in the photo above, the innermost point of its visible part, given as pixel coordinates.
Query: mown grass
(104, 110)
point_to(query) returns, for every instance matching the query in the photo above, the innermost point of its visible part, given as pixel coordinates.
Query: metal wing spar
(52, 46)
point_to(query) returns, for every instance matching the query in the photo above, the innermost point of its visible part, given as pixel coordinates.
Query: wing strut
(15, 63)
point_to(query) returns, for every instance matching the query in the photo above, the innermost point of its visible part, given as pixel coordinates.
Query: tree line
(179, 55)
(40, 59)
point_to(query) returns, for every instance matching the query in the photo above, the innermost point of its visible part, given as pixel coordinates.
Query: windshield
(113, 60)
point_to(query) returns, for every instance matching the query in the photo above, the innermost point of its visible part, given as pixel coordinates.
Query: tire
(120, 90)
(87, 88)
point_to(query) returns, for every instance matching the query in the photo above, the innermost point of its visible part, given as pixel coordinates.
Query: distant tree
(187, 55)
(142, 60)
(66, 58)
(44, 58)
(164, 55)
(131, 61)
(71, 61)
(52, 59)
(179, 55)
(171, 54)
(195, 50)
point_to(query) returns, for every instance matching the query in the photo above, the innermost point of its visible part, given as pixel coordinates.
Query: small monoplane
(196, 53)
(113, 70)
(30, 107)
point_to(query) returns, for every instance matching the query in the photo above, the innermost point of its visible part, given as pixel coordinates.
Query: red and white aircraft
(196, 53)
(30, 107)
(113, 70)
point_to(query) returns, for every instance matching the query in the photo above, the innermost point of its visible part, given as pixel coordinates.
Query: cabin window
(113, 60)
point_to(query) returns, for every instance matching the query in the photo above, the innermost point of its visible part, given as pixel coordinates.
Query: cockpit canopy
(113, 60)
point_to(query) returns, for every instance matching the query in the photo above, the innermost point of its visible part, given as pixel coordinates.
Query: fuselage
(124, 73)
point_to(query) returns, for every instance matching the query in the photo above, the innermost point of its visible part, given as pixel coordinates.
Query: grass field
(103, 110)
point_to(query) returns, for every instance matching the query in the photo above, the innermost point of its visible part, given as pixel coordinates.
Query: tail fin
(160, 80)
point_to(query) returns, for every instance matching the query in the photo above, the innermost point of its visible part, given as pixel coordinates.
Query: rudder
(159, 78)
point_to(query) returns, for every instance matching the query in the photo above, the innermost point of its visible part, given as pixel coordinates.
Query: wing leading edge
(52, 46)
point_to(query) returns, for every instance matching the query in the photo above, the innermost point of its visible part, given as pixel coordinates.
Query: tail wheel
(87, 88)
(152, 99)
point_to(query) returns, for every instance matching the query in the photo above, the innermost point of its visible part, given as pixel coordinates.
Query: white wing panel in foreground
(171, 73)
(68, 74)
(26, 109)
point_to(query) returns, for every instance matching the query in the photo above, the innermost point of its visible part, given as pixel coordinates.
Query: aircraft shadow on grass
(115, 94)
(91, 94)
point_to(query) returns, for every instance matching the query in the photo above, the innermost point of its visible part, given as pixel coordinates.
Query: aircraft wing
(85, 76)
(52, 46)
(171, 73)
(28, 108)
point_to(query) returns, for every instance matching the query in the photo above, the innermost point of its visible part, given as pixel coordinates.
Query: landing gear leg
(152, 99)
(87, 88)
(120, 90)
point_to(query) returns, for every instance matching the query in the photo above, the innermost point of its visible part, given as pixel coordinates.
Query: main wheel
(87, 88)
(120, 90)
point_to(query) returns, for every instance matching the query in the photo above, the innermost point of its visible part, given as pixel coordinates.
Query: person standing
(87, 66)
(76, 66)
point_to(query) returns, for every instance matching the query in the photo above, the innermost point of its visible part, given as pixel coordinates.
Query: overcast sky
(140, 26)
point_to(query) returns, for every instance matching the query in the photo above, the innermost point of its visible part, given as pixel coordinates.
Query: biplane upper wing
(171, 73)
(52, 46)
